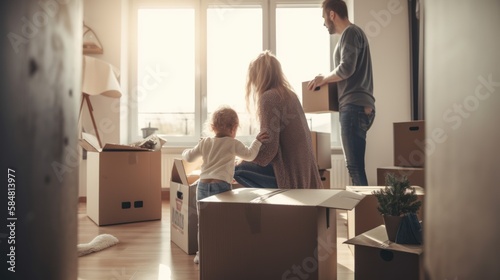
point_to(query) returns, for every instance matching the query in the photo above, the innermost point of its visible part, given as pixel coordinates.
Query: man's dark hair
(338, 6)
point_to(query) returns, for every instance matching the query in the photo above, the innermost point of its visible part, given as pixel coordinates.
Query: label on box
(177, 218)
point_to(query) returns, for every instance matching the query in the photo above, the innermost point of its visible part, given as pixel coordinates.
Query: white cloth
(218, 156)
(100, 78)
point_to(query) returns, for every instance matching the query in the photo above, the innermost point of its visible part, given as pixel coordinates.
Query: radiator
(339, 176)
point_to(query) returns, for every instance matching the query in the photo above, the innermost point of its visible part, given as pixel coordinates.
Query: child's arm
(191, 155)
(250, 153)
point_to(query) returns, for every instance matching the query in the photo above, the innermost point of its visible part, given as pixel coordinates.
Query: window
(304, 53)
(192, 57)
(166, 70)
(234, 38)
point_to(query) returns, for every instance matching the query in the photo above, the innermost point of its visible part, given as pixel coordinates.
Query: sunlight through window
(166, 70)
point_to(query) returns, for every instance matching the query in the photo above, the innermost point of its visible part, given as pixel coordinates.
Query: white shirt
(219, 154)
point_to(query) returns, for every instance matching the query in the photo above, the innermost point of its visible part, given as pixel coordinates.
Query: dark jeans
(252, 175)
(354, 123)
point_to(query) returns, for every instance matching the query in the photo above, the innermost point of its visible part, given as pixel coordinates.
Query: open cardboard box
(271, 233)
(378, 258)
(366, 215)
(184, 216)
(123, 181)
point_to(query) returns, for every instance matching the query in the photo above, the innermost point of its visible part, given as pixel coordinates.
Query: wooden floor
(146, 253)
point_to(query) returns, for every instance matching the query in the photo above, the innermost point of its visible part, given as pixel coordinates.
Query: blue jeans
(251, 175)
(207, 189)
(354, 123)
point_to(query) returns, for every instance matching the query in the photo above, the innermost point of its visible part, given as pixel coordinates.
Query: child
(219, 153)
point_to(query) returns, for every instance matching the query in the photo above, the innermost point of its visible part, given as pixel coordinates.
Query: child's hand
(263, 136)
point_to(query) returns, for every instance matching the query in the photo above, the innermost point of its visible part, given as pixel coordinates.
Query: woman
(286, 159)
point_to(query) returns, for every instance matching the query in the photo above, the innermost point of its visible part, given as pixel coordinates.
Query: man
(353, 74)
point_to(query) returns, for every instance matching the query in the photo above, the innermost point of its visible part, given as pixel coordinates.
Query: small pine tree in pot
(395, 200)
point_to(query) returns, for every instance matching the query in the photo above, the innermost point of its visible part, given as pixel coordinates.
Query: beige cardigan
(289, 148)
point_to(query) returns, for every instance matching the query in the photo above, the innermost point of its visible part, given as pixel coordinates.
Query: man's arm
(321, 80)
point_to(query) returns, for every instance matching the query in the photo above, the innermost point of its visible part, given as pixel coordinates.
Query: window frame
(200, 11)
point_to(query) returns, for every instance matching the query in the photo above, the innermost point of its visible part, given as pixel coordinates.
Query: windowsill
(335, 150)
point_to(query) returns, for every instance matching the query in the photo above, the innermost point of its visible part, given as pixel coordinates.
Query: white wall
(462, 83)
(385, 23)
(106, 20)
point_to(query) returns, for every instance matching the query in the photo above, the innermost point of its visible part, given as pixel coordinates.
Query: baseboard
(165, 194)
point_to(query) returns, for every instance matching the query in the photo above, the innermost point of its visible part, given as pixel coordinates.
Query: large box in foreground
(184, 216)
(409, 143)
(271, 233)
(378, 258)
(366, 216)
(123, 183)
(320, 100)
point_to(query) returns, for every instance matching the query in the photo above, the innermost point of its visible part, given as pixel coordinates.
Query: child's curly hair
(224, 120)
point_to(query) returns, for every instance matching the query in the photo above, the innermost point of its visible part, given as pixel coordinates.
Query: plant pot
(392, 226)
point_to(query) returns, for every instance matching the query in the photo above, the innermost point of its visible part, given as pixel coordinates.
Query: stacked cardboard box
(321, 100)
(321, 149)
(409, 153)
(375, 257)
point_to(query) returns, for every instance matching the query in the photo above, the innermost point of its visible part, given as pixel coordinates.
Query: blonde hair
(265, 73)
(224, 120)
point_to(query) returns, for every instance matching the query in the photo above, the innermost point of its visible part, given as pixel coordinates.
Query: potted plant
(397, 199)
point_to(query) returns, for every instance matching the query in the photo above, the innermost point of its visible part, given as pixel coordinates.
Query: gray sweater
(289, 148)
(353, 64)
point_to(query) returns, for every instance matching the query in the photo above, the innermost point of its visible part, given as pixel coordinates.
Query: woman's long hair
(265, 73)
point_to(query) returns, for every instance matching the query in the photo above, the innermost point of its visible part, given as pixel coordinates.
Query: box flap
(184, 172)
(377, 238)
(368, 190)
(86, 145)
(345, 200)
(338, 199)
(89, 142)
(242, 195)
(109, 147)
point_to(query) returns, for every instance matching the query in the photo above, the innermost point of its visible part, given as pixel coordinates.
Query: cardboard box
(325, 178)
(378, 258)
(253, 233)
(320, 100)
(123, 182)
(321, 145)
(366, 216)
(416, 175)
(409, 144)
(183, 211)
